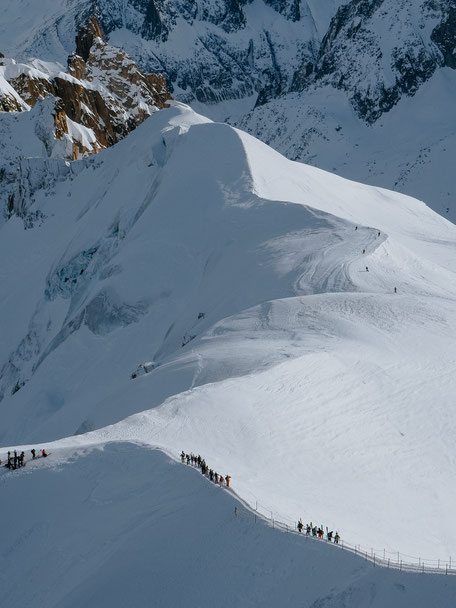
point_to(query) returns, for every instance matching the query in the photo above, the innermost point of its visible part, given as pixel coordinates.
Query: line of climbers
(205, 470)
(364, 251)
(318, 532)
(199, 462)
(16, 461)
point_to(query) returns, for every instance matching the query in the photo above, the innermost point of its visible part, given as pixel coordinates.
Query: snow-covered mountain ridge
(262, 291)
(135, 517)
(363, 88)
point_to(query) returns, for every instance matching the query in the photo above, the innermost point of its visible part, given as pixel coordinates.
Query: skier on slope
(43, 453)
(227, 479)
(367, 269)
(33, 453)
(300, 526)
(337, 538)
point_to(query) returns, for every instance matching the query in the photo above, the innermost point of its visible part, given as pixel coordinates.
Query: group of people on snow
(310, 529)
(199, 462)
(364, 251)
(318, 532)
(16, 461)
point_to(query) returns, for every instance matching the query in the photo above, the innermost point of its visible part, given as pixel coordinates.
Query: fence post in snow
(384, 555)
(398, 557)
(438, 565)
(388, 562)
(401, 566)
(423, 567)
(446, 569)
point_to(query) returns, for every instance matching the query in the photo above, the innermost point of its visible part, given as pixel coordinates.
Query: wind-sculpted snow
(262, 291)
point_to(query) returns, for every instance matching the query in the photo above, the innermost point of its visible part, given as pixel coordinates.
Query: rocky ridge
(50, 116)
(101, 97)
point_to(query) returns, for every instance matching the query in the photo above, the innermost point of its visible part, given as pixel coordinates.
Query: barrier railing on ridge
(378, 557)
(381, 558)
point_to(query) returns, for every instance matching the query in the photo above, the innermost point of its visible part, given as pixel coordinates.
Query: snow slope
(125, 526)
(325, 394)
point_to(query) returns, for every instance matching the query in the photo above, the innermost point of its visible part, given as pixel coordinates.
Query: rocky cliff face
(223, 49)
(101, 97)
(377, 51)
(49, 115)
(208, 51)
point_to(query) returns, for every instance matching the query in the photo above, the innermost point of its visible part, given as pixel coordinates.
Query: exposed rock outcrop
(86, 37)
(100, 99)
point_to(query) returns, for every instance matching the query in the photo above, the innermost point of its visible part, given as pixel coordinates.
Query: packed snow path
(124, 526)
(325, 394)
